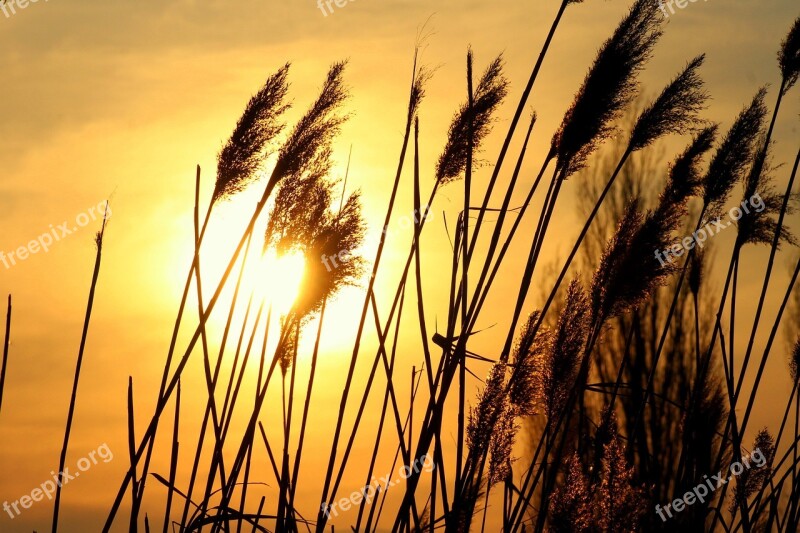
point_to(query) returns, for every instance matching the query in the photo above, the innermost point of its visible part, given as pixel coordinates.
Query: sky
(121, 100)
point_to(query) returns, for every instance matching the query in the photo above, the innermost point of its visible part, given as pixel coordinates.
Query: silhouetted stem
(84, 334)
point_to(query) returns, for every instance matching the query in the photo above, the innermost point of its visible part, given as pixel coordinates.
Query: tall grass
(620, 392)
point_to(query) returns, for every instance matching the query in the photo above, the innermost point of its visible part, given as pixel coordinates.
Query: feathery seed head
(531, 350)
(562, 358)
(729, 162)
(421, 77)
(571, 503)
(674, 110)
(622, 504)
(287, 348)
(755, 477)
(491, 404)
(338, 235)
(758, 222)
(684, 178)
(241, 156)
(794, 361)
(789, 56)
(501, 444)
(315, 130)
(697, 271)
(303, 219)
(627, 274)
(488, 95)
(608, 87)
(615, 257)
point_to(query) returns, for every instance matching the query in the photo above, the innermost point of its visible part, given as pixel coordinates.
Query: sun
(272, 278)
(276, 278)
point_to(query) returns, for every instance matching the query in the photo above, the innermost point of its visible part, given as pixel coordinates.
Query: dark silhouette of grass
(6, 343)
(81, 350)
(626, 393)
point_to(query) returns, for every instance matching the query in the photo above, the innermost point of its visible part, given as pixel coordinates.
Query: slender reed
(79, 363)
(6, 342)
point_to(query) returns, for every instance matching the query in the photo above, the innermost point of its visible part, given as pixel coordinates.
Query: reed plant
(621, 389)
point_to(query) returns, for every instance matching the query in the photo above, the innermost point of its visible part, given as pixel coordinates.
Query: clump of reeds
(598, 485)
(605, 499)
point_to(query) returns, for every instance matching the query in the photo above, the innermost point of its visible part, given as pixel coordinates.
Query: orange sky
(123, 99)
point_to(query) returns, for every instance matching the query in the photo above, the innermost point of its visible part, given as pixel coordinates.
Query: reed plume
(754, 478)
(315, 129)
(571, 503)
(501, 445)
(422, 75)
(789, 56)
(759, 227)
(491, 404)
(730, 161)
(338, 234)
(559, 368)
(242, 155)
(530, 351)
(483, 434)
(684, 179)
(608, 87)
(301, 200)
(607, 499)
(532, 348)
(674, 110)
(620, 504)
(302, 219)
(476, 123)
(794, 361)
(286, 350)
(624, 278)
(610, 271)
(697, 271)
(492, 425)
(703, 430)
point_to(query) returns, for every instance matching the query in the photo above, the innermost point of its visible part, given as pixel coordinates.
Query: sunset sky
(121, 100)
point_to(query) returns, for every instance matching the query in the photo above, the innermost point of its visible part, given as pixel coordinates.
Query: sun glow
(276, 278)
(269, 277)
